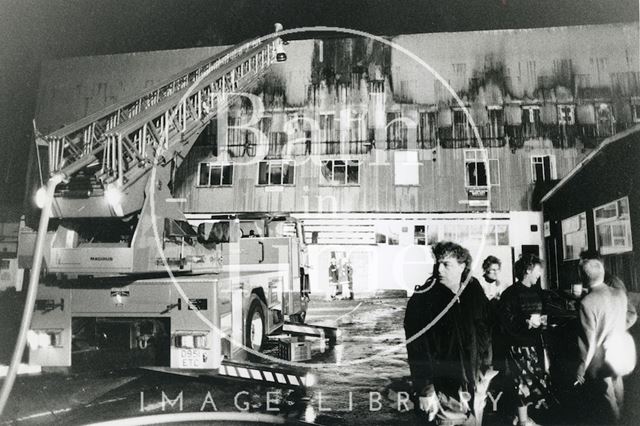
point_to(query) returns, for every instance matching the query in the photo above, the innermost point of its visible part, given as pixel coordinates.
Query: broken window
(475, 161)
(341, 172)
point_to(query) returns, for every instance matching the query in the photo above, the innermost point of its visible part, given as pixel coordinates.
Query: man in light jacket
(604, 316)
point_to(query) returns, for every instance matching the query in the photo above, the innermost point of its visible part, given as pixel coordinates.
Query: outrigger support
(247, 372)
(331, 333)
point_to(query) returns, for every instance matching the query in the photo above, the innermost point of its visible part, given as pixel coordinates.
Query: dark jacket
(450, 355)
(517, 303)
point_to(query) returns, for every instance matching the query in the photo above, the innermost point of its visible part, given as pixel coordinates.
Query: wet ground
(363, 380)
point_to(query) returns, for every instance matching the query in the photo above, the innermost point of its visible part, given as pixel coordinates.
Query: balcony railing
(462, 136)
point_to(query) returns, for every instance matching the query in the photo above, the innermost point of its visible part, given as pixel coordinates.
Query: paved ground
(359, 385)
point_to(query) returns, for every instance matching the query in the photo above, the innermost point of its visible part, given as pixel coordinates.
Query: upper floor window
(329, 139)
(635, 111)
(376, 86)
(215, 174)
(613, 227)
(531, 121)
(358, 127)
(396, 131)
(574, 236)
(276, 172)
(428, 129)
(341, 172)
(494, 172)
(543, 168)
(327, 128)
(460, 125)
(495, 126)
(567, 114)
(605, 123)
(475, 163)
(277, 145)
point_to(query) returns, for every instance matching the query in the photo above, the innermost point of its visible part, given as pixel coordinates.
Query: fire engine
(125, 268)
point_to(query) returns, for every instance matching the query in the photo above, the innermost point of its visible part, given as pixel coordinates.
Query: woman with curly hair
(521, 319)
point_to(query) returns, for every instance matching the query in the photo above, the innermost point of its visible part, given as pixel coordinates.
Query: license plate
(192, 358)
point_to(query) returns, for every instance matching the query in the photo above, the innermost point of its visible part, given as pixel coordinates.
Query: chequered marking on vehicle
(262, 375)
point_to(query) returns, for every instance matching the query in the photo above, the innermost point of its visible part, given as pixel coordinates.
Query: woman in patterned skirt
(521, 319)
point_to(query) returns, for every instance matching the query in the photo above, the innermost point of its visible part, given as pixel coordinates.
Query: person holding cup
(521, 321)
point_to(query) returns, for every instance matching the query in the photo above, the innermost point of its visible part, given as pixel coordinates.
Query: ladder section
(169, 128)
(81, 143)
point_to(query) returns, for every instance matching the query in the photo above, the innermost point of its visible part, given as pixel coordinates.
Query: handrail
(157, 88)
(109, 130)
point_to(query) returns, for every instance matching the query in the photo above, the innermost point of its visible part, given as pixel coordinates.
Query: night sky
(35, 30)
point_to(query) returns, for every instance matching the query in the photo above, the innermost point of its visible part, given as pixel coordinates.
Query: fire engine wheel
(255, 333)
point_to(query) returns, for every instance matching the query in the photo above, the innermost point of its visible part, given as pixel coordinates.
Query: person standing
(520, 313)
(349, 271)
(490, 284)
(333, 278)
(606, 349)
(448, 342)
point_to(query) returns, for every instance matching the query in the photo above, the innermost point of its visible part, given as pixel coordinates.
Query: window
(298, 135)
(605, 120)
(543, 168)
(215, 174)
(495, 126)
(358, 127)
(566, 114)
(428, 129)
(635, 111)
(341, 172)
(475, 162)
(276, 172)
(613, 227)
(419, 235)
(531, 121)
(473, 233)
(460, 125)
(396, 131)
(574, 236)
(277, 144)
(376, 86)
(358, 133)
(494, 172)
(328, 135)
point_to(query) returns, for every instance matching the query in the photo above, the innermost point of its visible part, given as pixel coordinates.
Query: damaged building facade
(373, 151)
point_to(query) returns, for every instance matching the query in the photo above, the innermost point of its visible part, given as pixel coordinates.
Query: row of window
(612, 228)
(300, 135)
(480, 171)
(468, 234)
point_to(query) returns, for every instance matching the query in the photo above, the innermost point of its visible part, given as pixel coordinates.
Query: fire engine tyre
(255, 329)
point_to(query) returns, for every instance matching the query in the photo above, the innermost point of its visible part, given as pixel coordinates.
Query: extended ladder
(121, 141)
